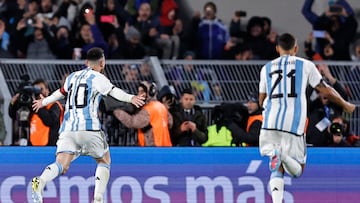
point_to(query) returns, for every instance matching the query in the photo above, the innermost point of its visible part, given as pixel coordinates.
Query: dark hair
(267, 20)
(187, 91)
(210, 4)
(254, 97)
(286, 41)
(94, 54)
(39, 81)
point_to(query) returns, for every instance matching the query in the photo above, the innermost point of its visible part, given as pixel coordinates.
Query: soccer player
(80, 132)
(282, 94)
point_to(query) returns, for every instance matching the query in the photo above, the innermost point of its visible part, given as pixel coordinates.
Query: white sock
(291, 166)
(277, 189)
(101, 180)
(50, 172)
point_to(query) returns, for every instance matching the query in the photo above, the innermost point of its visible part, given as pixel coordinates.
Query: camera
(336, 129)
(27, 92)
(240, 13)
(336, 9)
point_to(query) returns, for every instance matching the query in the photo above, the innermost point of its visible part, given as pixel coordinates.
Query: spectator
(89, 35)
(326, 54)
(321, 110)
(192, 76)
(31, 10)
(39, 128)
(134, 5)
(33, 40)
(169, 41)
(217, 92)
(208, 35)
(42, 45)
(115, 40)
(257, 40)
(63, 47)
(131, 73)
(46, 9)
(271, 38)
(22, 29)
(241, 52)
(5, 43)
(106, 13)
(167, 96)
(3, 7)
(152, 121)
(236, 30)
(69, 10)
(145, 71)
(313, 18)
(189, 121)
(133, 49)
(178, 29)
(341, 26)
(147, 25)
(13, 11)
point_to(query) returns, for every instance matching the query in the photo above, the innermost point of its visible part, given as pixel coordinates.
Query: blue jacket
(313, 17)
(212, 36)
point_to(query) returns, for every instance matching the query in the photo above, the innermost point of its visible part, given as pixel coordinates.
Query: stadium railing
(216, 81)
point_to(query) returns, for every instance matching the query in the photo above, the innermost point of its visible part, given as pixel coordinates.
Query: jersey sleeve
(262, 83)
(102, 84)
(314, 75)
(65, 86)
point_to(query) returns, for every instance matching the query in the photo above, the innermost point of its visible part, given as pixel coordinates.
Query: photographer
(336, 132)
(41, 127)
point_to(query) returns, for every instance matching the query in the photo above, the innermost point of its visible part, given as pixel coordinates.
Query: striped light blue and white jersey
(284, 81)
(84, 89)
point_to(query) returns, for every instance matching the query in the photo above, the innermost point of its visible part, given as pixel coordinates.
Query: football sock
(51, 171)
(101, 180)
(291, 166)
(277, 186)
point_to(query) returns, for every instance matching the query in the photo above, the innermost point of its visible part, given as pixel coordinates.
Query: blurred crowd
(134, 29)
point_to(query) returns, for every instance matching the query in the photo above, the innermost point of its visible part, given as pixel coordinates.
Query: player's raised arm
(121, 95)
(335, 97)
(55, 96)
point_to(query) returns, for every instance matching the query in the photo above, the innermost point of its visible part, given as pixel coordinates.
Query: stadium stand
(235, 79)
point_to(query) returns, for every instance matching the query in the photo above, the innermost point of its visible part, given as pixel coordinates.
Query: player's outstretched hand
(138, 101)
(349, 107)
(37, 104)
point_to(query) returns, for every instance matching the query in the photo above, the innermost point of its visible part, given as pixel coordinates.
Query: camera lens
(336, 128)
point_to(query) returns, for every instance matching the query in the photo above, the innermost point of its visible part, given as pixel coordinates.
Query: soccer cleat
(36, 193)
(275, 161)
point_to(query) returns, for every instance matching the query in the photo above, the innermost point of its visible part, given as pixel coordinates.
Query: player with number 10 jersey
(84, 90)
